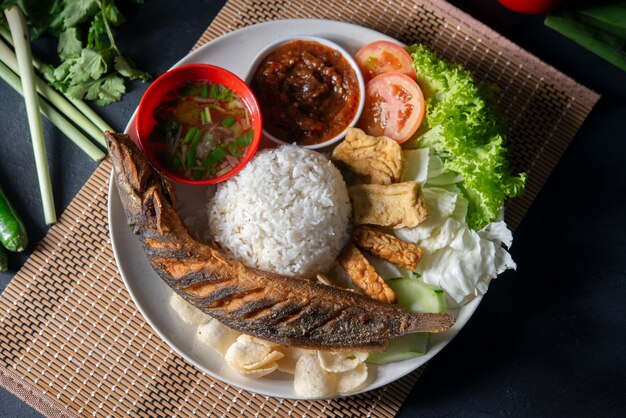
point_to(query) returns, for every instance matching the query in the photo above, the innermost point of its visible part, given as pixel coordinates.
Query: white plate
(235, 51)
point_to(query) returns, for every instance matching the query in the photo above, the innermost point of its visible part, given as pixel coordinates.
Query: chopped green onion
(197, 137)
(190, 135)
(197, 175)
(237, 129)
(228, 122)
(205, 115)
(225, 94)
(214, 93)
(204, 91)
(245, 139)
(191, 152)
(191, 156)
(218, 154)
(234, 150)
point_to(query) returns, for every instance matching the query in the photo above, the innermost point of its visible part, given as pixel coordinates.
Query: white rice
(286, 212)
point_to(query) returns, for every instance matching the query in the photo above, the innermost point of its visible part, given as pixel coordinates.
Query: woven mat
(73, 343)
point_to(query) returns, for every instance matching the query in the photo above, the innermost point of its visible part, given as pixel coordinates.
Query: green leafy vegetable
(92, 65)
(466, 134)
(70, 45)
(78, 11)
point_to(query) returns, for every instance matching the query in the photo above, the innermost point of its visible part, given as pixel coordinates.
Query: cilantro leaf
(111, 90)
(96, 30)
(105, 90)
(90, 65)
(62, 72)
(127, 69)
(113, 14)
(69, 45)
(78, 11)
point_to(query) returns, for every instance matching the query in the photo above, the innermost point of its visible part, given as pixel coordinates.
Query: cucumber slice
(402, 348)
(414, 296)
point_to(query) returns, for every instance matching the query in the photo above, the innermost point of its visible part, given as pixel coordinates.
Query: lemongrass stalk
(19, 33)
(79, 104)
(90, 113)
(6, 35)
(55, 117)
(10, 60)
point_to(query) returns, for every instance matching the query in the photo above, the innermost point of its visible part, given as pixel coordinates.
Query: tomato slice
(394, 107)
(384, 57)
(532, 7)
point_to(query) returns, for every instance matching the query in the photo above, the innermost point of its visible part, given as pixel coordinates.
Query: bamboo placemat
(73, 343)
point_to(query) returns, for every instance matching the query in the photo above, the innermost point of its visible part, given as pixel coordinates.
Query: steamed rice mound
(287, 212)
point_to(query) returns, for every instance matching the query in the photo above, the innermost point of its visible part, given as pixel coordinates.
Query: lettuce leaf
(466, 134)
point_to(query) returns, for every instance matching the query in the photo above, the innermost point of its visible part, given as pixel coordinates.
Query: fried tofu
(397, 205)
(377, 160)
(364, 275)
(387, 247)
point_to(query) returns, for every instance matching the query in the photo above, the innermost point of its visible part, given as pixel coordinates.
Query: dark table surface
(547, 340)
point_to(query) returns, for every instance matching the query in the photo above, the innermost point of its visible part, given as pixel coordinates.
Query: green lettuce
(466, 134)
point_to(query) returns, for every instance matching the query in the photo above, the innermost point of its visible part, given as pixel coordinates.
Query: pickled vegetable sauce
(203, 130)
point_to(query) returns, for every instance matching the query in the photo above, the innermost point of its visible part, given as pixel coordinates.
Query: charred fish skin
(285, 310)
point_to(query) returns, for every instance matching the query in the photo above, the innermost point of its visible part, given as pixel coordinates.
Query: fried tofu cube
(387, 247)
(364, 275)
(377, 160)
(397, 205)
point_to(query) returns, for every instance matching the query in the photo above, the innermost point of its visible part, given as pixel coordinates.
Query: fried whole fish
(285, 310)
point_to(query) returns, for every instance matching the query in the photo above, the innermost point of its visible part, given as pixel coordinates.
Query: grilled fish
(285, 310)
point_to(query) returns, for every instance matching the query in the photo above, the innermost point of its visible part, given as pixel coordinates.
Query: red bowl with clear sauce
(161, 92)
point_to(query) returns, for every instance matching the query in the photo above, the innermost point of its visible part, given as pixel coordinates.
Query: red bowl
(176, 78)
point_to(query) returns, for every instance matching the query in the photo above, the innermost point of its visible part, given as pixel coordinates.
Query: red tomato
(384, 57)
(394, 107)
(531, 7)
